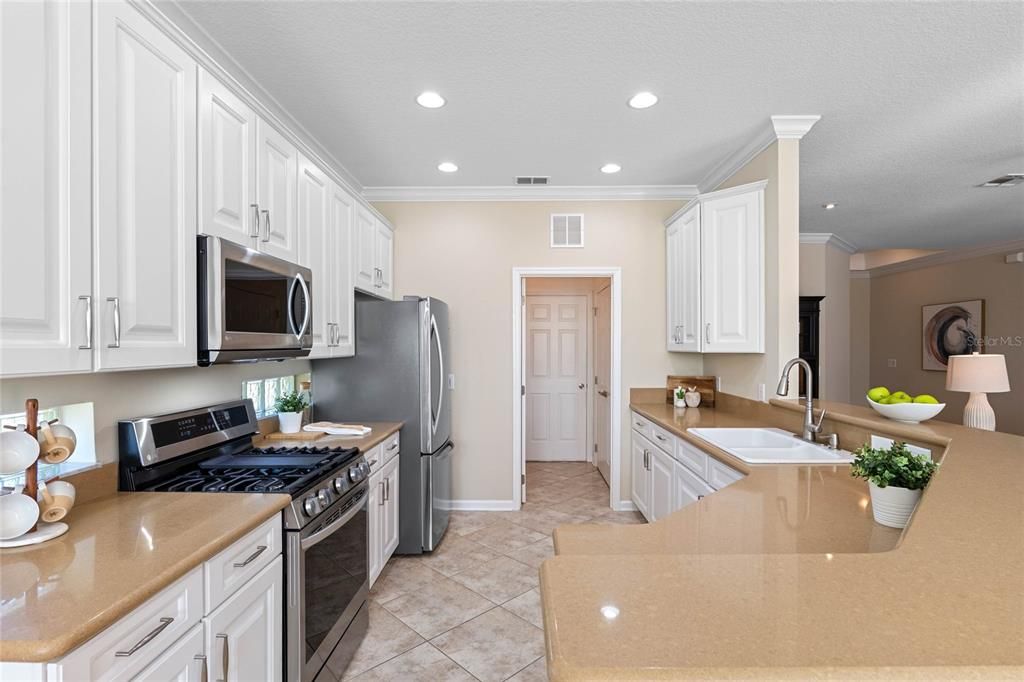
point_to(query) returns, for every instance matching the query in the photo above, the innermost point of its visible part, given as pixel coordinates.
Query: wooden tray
(301, 435)
(706, 386)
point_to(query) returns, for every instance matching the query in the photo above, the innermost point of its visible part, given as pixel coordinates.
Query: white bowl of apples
(903, 407)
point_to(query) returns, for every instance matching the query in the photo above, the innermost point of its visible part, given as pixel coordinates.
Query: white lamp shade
(977, 373)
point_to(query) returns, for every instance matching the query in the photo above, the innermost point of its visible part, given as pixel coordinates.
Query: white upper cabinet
(342, 310)
(277, 163)
(385, 258)
(315, 239)
(715, 277)
(45, 266)
(145, 194)
(227, 167)
(374, 254)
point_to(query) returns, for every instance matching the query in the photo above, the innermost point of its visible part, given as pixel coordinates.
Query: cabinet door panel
(315, 239)
(375, 520)
(688, 487)
(277, 163)
(145, 194)
(640, 475)
(390, 529)
(733, 273)
(343, 309)
(673, 300)
(182, 662)
(689, 279)
(44, 210)
(244, 635)
(384, 258)
(227, 173)
(366, 250)
(661, 495)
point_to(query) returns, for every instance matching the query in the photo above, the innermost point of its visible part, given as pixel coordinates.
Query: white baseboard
(484, 505)
(624, 506)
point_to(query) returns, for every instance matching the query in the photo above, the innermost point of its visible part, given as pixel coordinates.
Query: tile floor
(471, 609)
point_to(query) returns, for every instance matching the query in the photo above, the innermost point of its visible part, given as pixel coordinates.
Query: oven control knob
(309, 506)
(355, 474)
(340, 484)
(324, 497)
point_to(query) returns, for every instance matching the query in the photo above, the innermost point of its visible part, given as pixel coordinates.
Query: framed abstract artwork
(950, 329)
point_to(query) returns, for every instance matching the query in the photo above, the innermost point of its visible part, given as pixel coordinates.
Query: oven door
(327, 578)
(251, 306)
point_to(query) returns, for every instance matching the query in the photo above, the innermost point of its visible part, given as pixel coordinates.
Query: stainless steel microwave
(252, 306)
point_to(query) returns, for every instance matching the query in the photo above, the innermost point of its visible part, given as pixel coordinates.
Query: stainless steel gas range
(326, 546)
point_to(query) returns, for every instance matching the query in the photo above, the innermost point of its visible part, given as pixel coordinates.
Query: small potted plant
(680, 396)
(896, 478)
(289, 411)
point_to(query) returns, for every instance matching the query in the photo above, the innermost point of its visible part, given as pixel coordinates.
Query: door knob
(582, 386)
(603, 394)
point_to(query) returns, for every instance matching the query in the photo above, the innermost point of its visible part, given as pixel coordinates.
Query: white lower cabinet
(383, 504)
(185, 661)
(673, 473)
(245, 635)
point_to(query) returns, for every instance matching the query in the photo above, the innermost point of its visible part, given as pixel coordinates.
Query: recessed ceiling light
(611, 168)
(643, 100)
(430, 100)
(447, 167)
(828, 206)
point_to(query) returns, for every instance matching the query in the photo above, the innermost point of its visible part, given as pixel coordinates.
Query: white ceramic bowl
(18, 513)
(909, 413)
(17, 452)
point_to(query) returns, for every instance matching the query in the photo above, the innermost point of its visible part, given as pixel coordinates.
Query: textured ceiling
(919, 101)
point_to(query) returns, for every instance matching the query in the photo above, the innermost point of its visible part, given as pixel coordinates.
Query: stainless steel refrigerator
(399, 374)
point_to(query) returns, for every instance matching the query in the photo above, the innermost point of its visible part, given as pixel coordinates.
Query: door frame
(588, 446)
(518, 445)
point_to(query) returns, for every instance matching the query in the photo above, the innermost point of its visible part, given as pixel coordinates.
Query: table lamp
(978, 374)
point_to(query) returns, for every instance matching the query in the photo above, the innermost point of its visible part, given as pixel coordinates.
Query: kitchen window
(80, 418)
(264, 393)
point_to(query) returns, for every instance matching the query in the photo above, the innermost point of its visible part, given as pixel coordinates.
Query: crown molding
(718, 194)
(546, 193)
(860, 274)
(828, 239)
(942, 258)
(778, 128)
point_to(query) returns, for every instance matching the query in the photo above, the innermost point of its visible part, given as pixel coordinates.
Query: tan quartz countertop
(120, 550)
(783, 575)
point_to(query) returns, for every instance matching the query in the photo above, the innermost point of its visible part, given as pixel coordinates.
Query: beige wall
(860, 338)
(741, 374)
(896, 302)
(122, 395)
(825, 271)
(464, 252)
(867, 260)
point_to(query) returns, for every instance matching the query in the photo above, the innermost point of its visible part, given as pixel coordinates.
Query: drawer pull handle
(393, 446)
(640, 424)
(252, 557)
(373, 462)
(164, 622)
(660, 437)
(226, 656)
(204, 673)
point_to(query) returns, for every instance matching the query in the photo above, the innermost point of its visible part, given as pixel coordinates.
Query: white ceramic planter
(680, 402)
(289, 422)
(893, 506)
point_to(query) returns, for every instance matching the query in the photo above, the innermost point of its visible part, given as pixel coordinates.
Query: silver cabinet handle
(639, 424)
(164, 622)
(387, 488)
(393, 446)
(255, 220)
(700, 497)
(380, 497)
(372, 462)
(707, 332)
(337, 333)
(203, 673)
(227, 660)
(252, 557)
(661, 438)
(88, 322)
(266, 222)
(117, 321)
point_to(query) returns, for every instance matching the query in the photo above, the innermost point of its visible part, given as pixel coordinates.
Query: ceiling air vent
(566, 231)
(1005, 180)
(532, 179)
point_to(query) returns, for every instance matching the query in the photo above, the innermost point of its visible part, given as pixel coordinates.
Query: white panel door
(45, 257)
(688, 283)
(245, 634)
(385, 256)
(389, 525)
(661, 493)
(733, 271)
(342, 286)
(145, 227)
(227, 169)
(365, 257)
(277, 163)
(183, 661)
(316, 251)
(602, 381)
(556, 378)
(641, 480)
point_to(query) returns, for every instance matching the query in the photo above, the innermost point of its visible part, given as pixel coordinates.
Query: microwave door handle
(308, 306)
(291, 305)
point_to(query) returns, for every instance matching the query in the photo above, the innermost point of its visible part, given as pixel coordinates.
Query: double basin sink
(770, 446)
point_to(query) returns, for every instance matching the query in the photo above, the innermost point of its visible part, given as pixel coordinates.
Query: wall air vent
(1005, 180)
(532, 179)
(566, 231)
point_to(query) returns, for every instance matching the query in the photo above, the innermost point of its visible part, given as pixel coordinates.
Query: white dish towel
(338, 429)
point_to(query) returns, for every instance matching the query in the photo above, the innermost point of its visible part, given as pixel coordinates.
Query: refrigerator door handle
(436, 418)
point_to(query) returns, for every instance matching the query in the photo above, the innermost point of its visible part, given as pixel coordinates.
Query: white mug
(18, 513)
(18, 451)
(57, 442)
(57, 499)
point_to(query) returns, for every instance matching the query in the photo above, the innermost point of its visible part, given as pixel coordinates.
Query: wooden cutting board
(301, 435)
(706, 386)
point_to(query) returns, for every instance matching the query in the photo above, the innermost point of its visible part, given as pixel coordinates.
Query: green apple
(877, 393)
(899, 397)
(883, 401)
(927, 399)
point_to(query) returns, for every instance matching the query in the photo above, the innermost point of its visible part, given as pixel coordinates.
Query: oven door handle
(316, 537)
